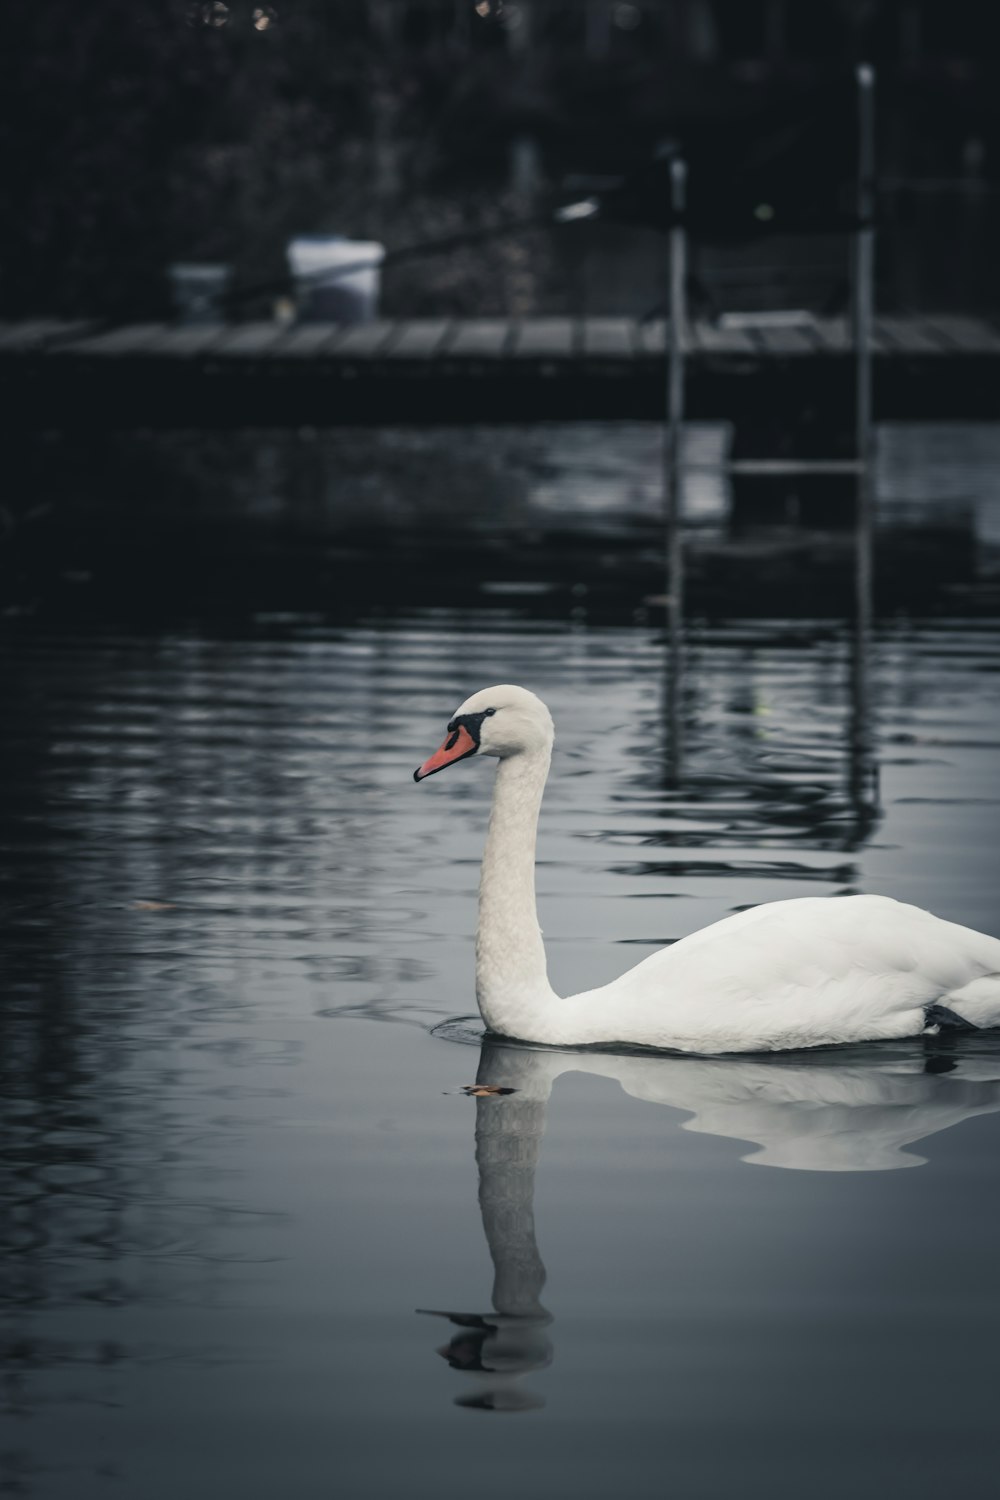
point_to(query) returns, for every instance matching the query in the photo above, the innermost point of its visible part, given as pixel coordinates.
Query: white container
(349, 293)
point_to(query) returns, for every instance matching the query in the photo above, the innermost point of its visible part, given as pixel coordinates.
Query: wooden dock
(57, 374)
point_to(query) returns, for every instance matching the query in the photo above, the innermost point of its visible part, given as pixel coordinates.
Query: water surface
(227, 1191)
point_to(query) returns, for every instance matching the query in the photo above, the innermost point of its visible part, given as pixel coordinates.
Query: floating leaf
(485, 1090)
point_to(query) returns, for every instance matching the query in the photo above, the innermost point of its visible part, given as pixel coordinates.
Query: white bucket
(346, 295)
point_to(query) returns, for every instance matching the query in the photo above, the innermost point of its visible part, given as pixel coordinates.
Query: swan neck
(511, 975)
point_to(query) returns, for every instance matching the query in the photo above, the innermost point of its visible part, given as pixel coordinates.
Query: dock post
(863, 269)
(676, 291)
(863, 773)
(673, 473)
(863, 316)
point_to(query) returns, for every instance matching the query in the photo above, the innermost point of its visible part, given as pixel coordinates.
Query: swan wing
(801, 973)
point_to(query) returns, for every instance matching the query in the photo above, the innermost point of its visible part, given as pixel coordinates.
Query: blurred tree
(138, 132)
(134, 134)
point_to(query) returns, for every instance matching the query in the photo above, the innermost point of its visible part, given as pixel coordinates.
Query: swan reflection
(838, 1111)
(499, 1347)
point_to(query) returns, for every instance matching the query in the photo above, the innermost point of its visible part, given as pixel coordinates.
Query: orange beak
(457, 746)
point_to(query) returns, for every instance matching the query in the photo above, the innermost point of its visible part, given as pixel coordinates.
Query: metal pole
(677, 273)
(864, 770)
(863, 317)
(863, 309)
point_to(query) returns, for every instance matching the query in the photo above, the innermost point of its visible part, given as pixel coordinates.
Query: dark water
(227, 1191)
(149, 526)
(243, 1222)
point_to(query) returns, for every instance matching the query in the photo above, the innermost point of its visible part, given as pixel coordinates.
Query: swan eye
(490, 712)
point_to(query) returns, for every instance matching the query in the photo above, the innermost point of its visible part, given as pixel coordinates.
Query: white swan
(802, 973)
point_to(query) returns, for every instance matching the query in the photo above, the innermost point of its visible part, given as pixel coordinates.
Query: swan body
(809, 972)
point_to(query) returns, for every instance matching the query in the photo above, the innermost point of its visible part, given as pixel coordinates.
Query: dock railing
(862, 311)
(861, 278)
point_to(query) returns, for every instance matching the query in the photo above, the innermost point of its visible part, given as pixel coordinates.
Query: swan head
(501, 721)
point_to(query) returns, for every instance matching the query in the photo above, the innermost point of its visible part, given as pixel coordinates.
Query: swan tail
(976, 1005)
(943, 1017)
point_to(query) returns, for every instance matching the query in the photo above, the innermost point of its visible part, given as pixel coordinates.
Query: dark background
(224, 1191)
(134, 135)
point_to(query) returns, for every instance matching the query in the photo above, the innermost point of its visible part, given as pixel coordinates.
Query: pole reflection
(862, 759)
(683, 698)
